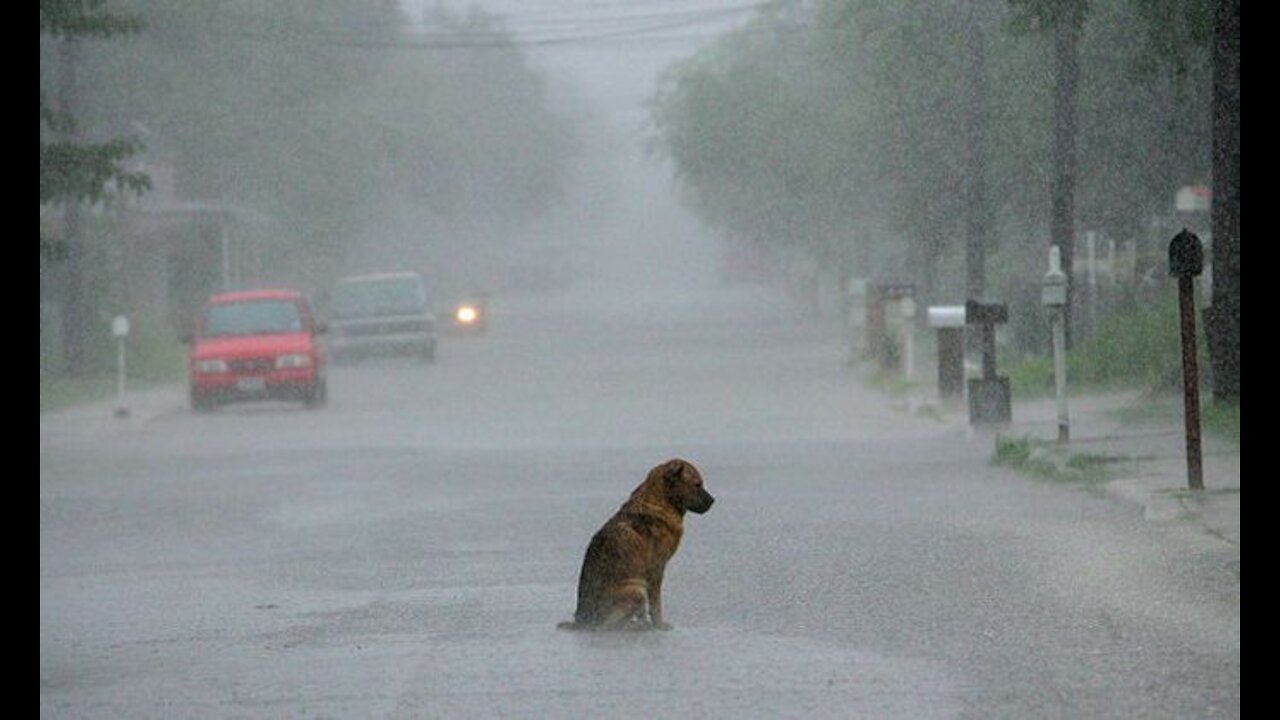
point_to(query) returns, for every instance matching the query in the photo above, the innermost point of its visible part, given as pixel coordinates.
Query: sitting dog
(620, 586)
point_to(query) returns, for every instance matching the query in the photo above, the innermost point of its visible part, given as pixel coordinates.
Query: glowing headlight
(211, 366)
(296, 360)
(466, 314)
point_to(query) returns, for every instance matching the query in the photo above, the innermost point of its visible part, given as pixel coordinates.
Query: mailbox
(985, 313)
(1054, 291)
(1186, 255)
(946, 316)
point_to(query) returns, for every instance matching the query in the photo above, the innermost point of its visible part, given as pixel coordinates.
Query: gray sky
(612, 49)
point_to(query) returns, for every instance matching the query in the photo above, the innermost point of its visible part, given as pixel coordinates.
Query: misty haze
(358, 319)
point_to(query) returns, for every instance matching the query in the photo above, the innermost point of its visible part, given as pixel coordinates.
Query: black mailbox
(985, 313)
(989, 400)
(1186, 255)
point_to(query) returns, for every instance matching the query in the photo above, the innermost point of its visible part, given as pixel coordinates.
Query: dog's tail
(569, 625)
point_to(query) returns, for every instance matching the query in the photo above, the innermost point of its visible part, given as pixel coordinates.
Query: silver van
(381, 314)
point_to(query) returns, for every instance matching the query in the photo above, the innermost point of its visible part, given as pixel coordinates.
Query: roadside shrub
(1139, 346)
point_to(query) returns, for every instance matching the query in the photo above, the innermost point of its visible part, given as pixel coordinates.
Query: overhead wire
(655, 26)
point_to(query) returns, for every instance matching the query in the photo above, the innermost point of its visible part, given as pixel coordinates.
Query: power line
(635, 27)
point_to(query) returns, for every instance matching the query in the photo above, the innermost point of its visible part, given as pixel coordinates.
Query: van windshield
(255, 317)
(385, 296)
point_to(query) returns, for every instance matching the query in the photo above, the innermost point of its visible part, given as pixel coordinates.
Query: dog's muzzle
(702, 504)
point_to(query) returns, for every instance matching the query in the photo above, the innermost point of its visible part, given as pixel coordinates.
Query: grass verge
(1141, 347)
(62, 393)
(154, 356)
(1219, 420)
(1049, 461)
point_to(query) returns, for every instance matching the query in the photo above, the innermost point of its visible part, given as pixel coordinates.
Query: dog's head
(682, 485)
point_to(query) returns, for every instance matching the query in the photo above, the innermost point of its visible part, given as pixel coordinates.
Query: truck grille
(253, 366)
(386, 328)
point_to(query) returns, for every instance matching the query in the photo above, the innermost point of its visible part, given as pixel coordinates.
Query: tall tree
(1067, 26)
(318, 114)
(73, 171)
(893, 110)
(1178, 33)
(261, 105)
(1065, 18)
(1224, 326)
(979, 230)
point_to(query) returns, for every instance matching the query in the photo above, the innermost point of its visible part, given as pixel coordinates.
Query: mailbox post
(948, 320)
(907, 309)
(1186, 261)
(989, 401)
(877, 326)
(120, 329)
(1054, 297)
(883, 338)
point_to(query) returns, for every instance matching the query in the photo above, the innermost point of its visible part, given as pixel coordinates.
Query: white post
(1058, 318)
(120, 328)
(1060, 373)
(1092, 239)
(1111, 261)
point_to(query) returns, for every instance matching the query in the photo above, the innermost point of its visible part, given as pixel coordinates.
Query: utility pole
(978, 216)
(1223, 328)
(1066, 31)
(75, 315)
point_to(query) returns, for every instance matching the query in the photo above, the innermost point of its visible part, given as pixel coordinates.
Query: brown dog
(620, 586)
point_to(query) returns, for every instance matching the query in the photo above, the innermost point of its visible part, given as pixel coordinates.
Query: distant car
(256, 345)
(381, 314)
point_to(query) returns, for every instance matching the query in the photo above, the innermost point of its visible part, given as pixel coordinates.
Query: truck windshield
(257, 317)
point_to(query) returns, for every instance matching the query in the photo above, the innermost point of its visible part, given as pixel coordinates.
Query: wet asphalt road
(408, 550)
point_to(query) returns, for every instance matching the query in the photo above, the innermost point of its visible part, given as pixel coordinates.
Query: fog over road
(408, 550)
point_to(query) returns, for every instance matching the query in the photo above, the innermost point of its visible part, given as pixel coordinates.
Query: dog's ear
(673, 471)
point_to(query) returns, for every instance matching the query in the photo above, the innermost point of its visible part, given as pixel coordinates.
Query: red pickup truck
(256, 345)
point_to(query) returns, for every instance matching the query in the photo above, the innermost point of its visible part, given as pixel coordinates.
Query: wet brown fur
(620, 586)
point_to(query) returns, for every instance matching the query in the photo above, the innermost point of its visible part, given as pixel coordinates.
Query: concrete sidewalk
(141, 405)
(1143, 441)
(1150, 445)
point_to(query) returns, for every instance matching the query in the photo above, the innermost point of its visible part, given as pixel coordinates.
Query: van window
(382, 296)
